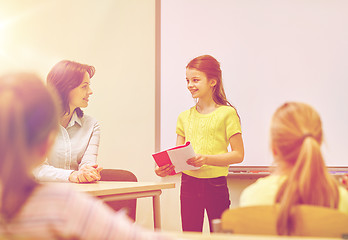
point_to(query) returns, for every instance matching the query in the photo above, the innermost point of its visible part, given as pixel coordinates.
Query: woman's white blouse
(75, 146)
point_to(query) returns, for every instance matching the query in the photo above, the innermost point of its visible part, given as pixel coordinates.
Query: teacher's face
(79, 96)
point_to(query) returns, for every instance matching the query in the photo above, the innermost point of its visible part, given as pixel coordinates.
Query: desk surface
(222, 236)
(103, 188)
(113, 191)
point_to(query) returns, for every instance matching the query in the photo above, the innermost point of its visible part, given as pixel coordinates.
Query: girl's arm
(180, 140)
(224, 159)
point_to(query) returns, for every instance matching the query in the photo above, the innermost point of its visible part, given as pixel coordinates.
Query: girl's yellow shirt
(209, 134)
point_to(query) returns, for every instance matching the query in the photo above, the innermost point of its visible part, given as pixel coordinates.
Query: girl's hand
(164, 170)
(197, 161)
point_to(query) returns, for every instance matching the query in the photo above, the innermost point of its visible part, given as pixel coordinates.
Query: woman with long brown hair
(74, 155)
(301, 176)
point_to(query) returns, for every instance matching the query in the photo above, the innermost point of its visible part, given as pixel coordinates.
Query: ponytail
(308, 180)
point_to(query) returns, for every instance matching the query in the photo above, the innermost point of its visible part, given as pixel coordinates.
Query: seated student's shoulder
(262, 192)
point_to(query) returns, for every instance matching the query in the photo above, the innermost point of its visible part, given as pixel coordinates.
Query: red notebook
(176, 156)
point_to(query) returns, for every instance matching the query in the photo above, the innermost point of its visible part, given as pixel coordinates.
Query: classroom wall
(118, 38)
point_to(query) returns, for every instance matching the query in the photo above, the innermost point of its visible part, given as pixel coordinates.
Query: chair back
(309, 220)
(117, 175)
(121, 175)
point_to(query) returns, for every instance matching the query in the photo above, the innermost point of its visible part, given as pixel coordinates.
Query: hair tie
(307, 135)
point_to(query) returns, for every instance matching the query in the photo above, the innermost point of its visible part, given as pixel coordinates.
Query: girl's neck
(282, 169)
(206, 106)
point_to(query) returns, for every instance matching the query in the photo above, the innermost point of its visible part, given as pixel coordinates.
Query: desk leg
(157, 211)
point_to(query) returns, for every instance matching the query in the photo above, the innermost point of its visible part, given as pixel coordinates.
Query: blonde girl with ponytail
(301, 176)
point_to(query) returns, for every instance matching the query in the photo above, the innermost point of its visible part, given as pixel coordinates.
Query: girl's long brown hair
(28, 115)
(296, 137)
(211, 68)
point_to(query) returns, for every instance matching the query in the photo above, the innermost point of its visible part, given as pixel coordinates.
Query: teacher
(74, 155)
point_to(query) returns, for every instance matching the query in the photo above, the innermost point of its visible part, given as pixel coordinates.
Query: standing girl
(211, 125)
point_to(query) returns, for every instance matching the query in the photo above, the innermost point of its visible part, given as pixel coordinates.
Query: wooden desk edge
(138, 187)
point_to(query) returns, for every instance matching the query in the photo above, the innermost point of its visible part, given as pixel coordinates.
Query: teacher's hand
(86, 174)
(165, 170)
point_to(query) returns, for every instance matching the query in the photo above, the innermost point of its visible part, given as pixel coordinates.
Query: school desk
(111, 191)
(229, 236)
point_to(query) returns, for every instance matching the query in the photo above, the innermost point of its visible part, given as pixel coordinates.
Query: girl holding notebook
(211, 126)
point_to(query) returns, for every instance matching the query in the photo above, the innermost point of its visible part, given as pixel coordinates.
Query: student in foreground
(74, 154)
(211, 126)
(301, 176)
(29, 120)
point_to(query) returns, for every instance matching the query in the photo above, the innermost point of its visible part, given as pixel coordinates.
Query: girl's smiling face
(198, 83)
(79, 96)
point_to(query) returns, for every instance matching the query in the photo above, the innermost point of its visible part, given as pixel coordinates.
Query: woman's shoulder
(89, 120)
